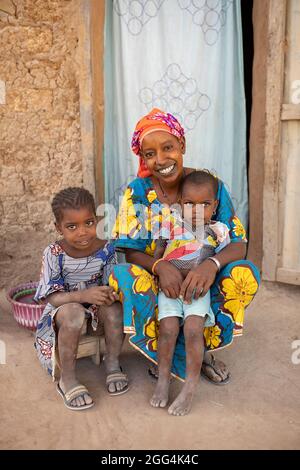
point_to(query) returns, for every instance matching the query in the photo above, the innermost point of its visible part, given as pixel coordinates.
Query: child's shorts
(176, 308)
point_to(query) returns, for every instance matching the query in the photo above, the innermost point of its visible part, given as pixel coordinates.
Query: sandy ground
(259, 409)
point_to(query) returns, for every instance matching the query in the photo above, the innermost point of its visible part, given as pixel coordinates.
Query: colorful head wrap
(156, 120)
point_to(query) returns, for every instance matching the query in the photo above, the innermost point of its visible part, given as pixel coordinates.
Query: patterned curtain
(185, 57)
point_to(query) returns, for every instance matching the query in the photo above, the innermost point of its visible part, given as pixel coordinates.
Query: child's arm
(52, 287)
(99, 295)
(159, 250)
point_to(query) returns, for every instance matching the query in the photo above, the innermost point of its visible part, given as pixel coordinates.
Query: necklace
(165, 195)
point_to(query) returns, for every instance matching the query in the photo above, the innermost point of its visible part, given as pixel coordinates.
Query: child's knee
(113, 313)
(192, 335)
(193, 331)
(169, 328)
(71, 315)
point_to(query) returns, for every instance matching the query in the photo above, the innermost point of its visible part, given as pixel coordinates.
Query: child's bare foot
(160, 397)
(83, 398)
(183, 403)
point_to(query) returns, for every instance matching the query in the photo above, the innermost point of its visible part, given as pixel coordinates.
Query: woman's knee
(70, 315)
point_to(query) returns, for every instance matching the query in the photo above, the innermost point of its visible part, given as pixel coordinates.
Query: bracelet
(154, 265)
(217, 262)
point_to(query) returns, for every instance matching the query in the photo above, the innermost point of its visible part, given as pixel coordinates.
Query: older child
(74, 283)
(190, 242)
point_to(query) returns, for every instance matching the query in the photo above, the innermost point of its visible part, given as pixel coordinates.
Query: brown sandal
(213, 368)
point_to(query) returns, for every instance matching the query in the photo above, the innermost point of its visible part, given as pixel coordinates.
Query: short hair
(71, 198)
(201, 177)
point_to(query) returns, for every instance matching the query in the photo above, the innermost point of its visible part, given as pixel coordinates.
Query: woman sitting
(159, 143)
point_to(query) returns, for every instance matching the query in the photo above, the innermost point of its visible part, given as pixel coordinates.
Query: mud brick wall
(40, 149)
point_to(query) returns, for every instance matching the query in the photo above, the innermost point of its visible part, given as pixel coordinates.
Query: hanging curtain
(185, 57)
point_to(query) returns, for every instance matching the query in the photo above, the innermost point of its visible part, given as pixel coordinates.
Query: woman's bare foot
(160, 397)
(182, 404)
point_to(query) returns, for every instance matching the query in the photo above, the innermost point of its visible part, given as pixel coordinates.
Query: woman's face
(163, 155)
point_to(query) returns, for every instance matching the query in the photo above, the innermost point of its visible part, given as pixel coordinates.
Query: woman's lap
(232, 292)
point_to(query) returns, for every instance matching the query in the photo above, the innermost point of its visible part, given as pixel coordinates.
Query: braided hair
(71, 198)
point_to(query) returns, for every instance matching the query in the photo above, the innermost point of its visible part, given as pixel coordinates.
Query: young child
(74, 283)
(186, 244)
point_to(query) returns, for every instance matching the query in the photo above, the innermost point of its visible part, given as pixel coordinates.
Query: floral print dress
(232, 291)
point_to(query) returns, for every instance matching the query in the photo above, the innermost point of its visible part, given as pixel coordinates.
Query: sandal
(214, 369)
(117, 376)
(153, 371)
(75, 392)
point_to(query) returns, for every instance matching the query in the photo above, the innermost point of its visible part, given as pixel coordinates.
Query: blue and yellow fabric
(233, 290)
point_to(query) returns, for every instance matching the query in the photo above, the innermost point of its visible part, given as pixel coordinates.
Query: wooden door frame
(269, 23)
(90, 60)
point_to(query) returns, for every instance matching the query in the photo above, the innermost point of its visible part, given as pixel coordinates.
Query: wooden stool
(89, 346)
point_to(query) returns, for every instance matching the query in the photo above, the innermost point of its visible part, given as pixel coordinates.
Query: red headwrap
(156, 120)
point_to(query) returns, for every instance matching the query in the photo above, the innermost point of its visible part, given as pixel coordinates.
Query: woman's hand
(198, 281)
(99, 295)
(170, 279)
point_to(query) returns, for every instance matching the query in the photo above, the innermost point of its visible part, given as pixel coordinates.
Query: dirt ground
(259, 409)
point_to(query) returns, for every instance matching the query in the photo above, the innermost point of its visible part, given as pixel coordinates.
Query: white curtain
(185, 57)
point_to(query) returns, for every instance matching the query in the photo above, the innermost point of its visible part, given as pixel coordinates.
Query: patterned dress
(62, 273)
(232, 291)
(183, 246)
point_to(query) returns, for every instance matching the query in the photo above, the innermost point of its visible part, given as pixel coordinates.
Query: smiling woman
(159, 143)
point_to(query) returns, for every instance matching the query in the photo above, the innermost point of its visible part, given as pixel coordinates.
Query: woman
(159, 143)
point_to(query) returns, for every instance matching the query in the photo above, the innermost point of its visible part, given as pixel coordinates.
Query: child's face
(78, 227)
(162, 153)
(195, 197)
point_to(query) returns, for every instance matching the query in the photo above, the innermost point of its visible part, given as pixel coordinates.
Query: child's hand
(99, 295)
